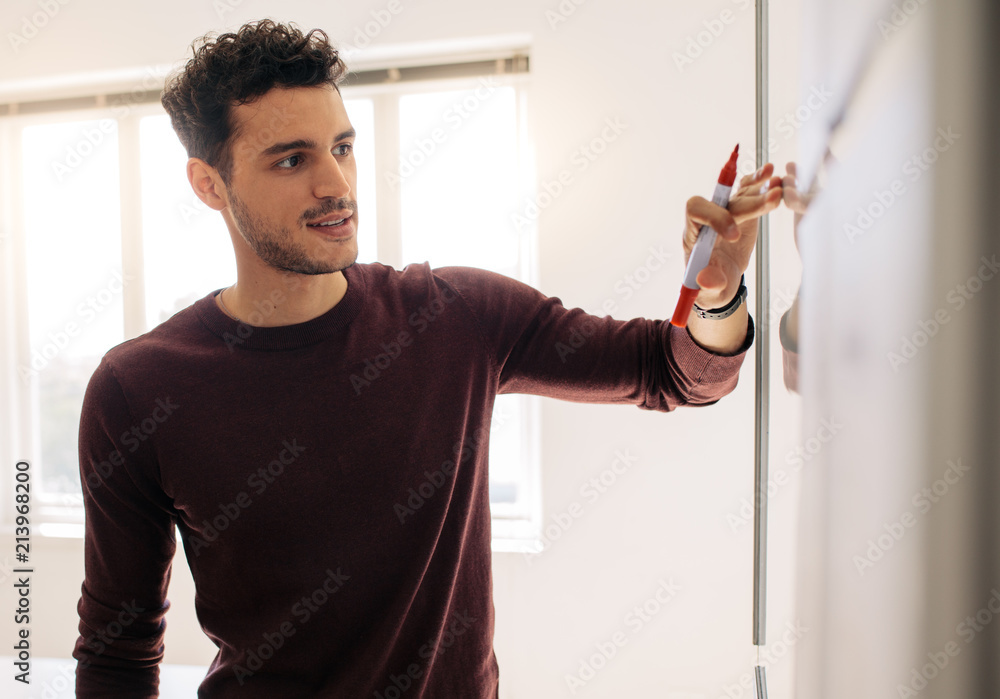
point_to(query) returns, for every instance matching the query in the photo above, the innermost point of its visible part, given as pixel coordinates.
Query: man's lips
(339, 226)
(340, 216)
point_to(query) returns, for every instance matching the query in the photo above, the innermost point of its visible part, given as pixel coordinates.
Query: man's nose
(331, 179)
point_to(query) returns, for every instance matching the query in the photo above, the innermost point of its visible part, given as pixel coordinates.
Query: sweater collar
(240, 335)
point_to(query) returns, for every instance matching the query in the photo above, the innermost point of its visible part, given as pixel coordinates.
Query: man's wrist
(721, 337)
(727, 309)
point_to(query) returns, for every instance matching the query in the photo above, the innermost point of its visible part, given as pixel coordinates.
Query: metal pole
(762, 354)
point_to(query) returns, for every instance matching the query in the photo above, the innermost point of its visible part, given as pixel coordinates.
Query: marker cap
(684, 306)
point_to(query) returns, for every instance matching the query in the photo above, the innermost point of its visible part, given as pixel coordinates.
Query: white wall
(899, 550)
(667, 517)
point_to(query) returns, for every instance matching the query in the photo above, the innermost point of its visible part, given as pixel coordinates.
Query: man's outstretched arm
(543, 348)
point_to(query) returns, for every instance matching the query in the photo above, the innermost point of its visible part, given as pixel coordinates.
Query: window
(71, 231)
(97, 202)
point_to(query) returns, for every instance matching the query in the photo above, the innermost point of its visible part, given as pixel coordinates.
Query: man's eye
(291, 157)
(345, 148)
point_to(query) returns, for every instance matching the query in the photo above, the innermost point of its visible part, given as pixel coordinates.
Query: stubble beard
(275, 247)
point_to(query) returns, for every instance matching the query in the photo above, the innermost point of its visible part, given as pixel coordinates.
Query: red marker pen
(702, 251)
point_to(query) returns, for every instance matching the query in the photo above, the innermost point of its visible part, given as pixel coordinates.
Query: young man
(336, 519)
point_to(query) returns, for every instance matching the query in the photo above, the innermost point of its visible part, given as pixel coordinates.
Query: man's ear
(207, 184)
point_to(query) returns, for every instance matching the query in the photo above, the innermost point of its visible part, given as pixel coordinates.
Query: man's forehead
(283, 110)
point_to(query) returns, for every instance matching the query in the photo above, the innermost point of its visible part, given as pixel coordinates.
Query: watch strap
(728, 309)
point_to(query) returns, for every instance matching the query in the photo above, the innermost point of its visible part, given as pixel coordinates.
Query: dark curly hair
(237, 69)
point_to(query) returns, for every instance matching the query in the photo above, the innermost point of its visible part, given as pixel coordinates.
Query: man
(336, 520)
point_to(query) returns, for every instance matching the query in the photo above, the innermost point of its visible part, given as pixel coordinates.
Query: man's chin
(314, 268)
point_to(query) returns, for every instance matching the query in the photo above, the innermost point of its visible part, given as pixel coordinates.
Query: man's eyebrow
(301, 144)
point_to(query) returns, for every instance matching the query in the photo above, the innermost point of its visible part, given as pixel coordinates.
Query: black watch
(728, 309)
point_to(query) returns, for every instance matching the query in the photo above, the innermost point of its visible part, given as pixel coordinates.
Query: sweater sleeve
(129, 545)
(543, 348)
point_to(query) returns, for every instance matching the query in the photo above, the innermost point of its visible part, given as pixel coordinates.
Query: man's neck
(282, 299)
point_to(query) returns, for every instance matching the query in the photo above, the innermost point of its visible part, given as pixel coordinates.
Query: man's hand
(758, 194)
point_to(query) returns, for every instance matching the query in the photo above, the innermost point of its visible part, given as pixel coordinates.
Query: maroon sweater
(330, 479)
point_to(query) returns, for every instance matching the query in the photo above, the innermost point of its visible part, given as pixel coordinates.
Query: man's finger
(755, 186)
(712, 278)
(701, 211)
(749, 206)
(762, 174)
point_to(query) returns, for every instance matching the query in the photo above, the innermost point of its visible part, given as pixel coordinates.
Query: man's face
(293, 166)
